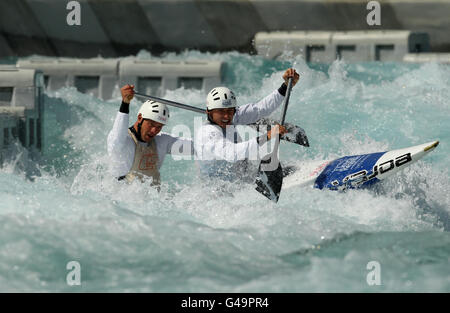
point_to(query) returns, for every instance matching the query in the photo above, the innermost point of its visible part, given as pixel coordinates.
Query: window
(6, 95)
(342, 50)
(310, 52)
(46, 80)
(384, 52)
(5, 136)
(31, 125)
(149, 85)
(87, 84)
(190, 82)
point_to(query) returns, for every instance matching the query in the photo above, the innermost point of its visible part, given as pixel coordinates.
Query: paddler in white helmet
(139, 150)
(220, 151)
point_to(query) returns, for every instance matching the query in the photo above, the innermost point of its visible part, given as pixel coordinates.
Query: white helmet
(155, 111)
(220, 98)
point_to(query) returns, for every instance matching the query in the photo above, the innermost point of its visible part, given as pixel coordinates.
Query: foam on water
(63, 205)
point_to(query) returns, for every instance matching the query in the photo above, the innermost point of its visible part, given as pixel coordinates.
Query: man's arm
(119, 133)
(120, 146)
(252, 112)
(210, 144)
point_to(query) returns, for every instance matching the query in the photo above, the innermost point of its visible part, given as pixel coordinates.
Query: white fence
(154, 77)
(101, 77)
(427, 57)
(352, 46)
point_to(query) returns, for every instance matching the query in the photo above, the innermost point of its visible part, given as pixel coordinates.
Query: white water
(62, 206)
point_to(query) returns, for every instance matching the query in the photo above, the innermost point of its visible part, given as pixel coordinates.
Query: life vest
(145, 162)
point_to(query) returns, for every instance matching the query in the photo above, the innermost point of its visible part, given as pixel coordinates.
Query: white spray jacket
(121, 147)
(222, 153)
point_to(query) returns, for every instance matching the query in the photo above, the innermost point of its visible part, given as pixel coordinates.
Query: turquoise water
(62, 205)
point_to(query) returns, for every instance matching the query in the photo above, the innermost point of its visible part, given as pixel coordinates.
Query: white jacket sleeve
(118, 134)
(252, 112)
(120, 146)
(210, 144)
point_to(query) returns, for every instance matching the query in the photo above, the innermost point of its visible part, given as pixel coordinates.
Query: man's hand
(290, 72)
(276, 130)
(127, 92)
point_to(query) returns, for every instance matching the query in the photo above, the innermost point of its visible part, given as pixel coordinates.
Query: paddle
(172, 103)
(295, 134)
(269, 179)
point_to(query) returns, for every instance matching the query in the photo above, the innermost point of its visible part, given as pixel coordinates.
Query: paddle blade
(295, 134)
(269, 183)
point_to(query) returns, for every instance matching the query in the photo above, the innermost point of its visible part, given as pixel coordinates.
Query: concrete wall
(112, 28)
(353, 46)
(100, 77)
(21, 107)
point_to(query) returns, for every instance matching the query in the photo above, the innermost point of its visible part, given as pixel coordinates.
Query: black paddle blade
(295, 133)
(269, 182)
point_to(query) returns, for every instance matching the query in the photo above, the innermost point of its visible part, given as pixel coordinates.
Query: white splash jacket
(222, 153)
(121, 147)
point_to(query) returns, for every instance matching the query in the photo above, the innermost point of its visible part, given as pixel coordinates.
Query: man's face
(222, 117)
(149, 129)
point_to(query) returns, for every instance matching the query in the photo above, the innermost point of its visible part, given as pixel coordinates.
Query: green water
(63, 206)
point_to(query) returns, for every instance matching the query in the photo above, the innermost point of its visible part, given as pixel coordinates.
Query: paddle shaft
(286, 102)
(172, 103)
(198, 110)
(270, 181)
